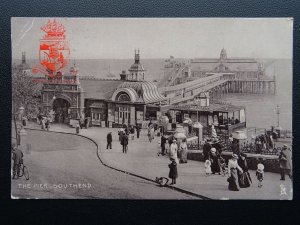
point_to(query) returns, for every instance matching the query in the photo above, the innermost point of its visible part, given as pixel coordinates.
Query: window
(123, 97)
(236, 116)
(223, 118)
(230, 118)
(96, 116)
(124, 115)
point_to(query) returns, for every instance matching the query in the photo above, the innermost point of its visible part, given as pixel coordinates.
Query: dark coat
(173, 174)
(206, 150)
(285, 159)
(17, 156)
(132, 130)
(215, 163)
(244, 178)
(109, 138)
(124, 140)
(138, 129)
(163, 141)
(243, 164)
(218, 147)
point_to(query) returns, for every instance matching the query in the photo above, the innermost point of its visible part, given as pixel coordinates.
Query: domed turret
(137, 71)
(223, 55)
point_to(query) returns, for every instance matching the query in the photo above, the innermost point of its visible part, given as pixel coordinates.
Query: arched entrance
(61, 109)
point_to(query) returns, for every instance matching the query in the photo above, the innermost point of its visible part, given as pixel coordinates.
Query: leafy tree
(25, 92)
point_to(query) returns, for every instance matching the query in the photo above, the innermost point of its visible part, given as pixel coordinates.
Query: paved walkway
(142, 160)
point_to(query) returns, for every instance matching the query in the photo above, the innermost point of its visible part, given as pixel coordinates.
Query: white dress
(173, 152)
(207, 166)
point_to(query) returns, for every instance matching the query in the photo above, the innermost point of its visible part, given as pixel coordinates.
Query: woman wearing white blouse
(232, 173)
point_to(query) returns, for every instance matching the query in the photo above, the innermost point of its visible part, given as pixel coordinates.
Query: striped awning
(146, 91)
(150, 93)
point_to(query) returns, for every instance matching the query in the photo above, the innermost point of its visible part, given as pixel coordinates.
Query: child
(260, 173)
(173, 174)
(207, 166)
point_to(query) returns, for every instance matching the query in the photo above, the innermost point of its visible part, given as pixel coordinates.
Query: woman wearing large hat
(215, 164)
(232, 172)
(244, 178)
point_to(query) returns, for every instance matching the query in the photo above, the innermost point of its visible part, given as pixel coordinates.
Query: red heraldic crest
(54, 50)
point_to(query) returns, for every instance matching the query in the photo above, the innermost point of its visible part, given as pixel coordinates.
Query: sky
(116, 38)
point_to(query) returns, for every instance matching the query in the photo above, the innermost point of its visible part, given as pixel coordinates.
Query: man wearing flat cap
(285, 162)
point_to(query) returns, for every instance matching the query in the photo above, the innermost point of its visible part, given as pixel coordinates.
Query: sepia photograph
(152, 108)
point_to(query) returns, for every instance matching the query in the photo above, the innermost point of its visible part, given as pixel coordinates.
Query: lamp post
(278, 113)
(21, 132)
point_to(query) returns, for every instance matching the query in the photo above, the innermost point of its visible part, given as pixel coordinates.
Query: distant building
(24, 67)
(128, 101)
(243, 68)
(108, 102)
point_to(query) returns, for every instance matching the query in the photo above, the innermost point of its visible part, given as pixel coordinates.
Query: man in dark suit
(17, 156)
(285, 159)
(109, 140)
(162, 144)
(124, 143)
(138, 130)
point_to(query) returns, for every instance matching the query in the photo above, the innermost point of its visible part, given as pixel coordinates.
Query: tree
(25, 92)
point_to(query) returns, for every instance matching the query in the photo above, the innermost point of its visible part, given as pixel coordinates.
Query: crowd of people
(125, 134)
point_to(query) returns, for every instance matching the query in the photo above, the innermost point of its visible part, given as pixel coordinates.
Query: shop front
(225, 117)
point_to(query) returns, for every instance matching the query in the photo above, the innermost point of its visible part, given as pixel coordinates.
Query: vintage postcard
(152, 108)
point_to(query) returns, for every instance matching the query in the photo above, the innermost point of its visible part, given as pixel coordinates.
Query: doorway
(61, 109)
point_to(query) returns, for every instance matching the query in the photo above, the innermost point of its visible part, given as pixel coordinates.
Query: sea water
(260, 109)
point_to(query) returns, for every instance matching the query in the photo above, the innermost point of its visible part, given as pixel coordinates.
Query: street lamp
(277, 112)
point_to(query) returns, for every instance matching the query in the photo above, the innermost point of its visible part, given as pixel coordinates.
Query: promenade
(142, 160)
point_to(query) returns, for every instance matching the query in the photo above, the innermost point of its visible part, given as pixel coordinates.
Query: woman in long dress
(183, 152)
(215, 162)
(244, 178)
(173, 151)
(151, 133)
(232, 172)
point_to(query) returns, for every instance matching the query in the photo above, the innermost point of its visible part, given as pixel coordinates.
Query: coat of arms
(54, 50)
